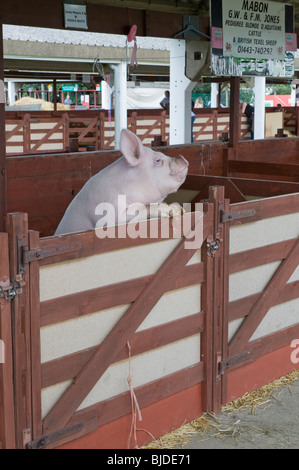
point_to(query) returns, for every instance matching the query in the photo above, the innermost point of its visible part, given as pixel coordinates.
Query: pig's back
(80, 214)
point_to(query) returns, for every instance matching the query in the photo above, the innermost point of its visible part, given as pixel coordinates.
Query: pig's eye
(158, 161)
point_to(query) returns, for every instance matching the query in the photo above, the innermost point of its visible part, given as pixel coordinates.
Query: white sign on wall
(252, 37)
(254, 29)
(75, 16)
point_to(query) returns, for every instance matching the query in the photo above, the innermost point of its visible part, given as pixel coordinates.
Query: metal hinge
(30, 255)
(231, 361)
(9, 289)
(228, 216)
(43, 441)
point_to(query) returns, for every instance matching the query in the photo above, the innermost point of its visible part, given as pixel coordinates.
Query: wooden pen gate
(98, 330)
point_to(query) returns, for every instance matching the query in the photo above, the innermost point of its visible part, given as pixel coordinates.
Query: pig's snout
(182, 161)
(179, 168)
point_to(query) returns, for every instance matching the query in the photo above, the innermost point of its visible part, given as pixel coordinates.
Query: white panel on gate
(74, 335)
(263, 232)
(95, 271)
(144, 369)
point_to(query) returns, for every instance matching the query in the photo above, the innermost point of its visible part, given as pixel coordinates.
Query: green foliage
(246, 93)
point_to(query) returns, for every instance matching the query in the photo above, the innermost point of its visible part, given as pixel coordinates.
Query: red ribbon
(132, 37)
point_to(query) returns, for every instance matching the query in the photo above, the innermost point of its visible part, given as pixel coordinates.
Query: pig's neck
(139, 189)
(137, 194)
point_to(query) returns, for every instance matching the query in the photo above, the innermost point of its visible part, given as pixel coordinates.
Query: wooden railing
(47, 131)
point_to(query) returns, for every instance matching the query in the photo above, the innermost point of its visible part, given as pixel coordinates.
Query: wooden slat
(3, 204)
(17, 228)
(219, 298)
(267, 208)
(258, 256)
(207, 335)
(13, 132)
(68, 367)
(262, 168)
(265, 301)
(268, 344)
(7, 423)
(151, 392)
(50, 132)
(250, 187)
(234, 113)
(35, 337)
(118, 337)
(87, 302)
(225, 301)
(265, 188)
(78, 245)
(241, 307)
(269, 150)
(148, 394)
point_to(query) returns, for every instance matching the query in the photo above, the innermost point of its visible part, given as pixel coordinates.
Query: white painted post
(214, 94)
(259, 107)
(11, 92)
(293, 95)
(106, 95)
(180, 95)
(120, 109)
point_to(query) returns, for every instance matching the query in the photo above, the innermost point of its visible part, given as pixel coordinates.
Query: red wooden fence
(40, 131)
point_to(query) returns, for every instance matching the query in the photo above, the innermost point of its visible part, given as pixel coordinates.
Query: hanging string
(135, 407)
(135, 410)
(132, 37)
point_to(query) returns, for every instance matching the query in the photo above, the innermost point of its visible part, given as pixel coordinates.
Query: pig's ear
(131, 147)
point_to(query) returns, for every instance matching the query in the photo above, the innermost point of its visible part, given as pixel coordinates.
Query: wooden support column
(2, 140)
(180, 95)
(55, 94)
(234, 113)
(216, 196)
(259, 107)
(7, 423)
(206, 341)
(17, 229)
(231, 153)
(34, 299)
(297, 119)
(120, 112)
(215, 304)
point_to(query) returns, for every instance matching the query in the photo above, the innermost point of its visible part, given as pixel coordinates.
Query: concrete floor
(274, 425)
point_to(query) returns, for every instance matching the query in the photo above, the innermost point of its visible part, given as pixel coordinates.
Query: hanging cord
(132, 37)
(135, 409)
(134, 405)
(97, 66)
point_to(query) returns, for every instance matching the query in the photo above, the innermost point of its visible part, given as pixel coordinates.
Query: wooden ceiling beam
(46, 66)
(100, 18)
(187, 7)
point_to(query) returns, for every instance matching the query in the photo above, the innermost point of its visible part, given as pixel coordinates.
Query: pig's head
(158, 174)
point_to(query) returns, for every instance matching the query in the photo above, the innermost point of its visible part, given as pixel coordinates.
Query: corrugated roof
(58, 36)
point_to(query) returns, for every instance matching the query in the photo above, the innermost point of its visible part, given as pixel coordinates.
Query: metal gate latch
(8, 290)
(213, 247)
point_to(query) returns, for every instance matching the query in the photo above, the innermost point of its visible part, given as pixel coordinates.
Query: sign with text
(252, 38)
(75, 16)
(253, 29)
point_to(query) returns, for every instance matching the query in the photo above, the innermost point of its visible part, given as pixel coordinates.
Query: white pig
(142, 175)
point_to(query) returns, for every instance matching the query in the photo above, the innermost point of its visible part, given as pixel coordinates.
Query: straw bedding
(45, 105)
(209, 421)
